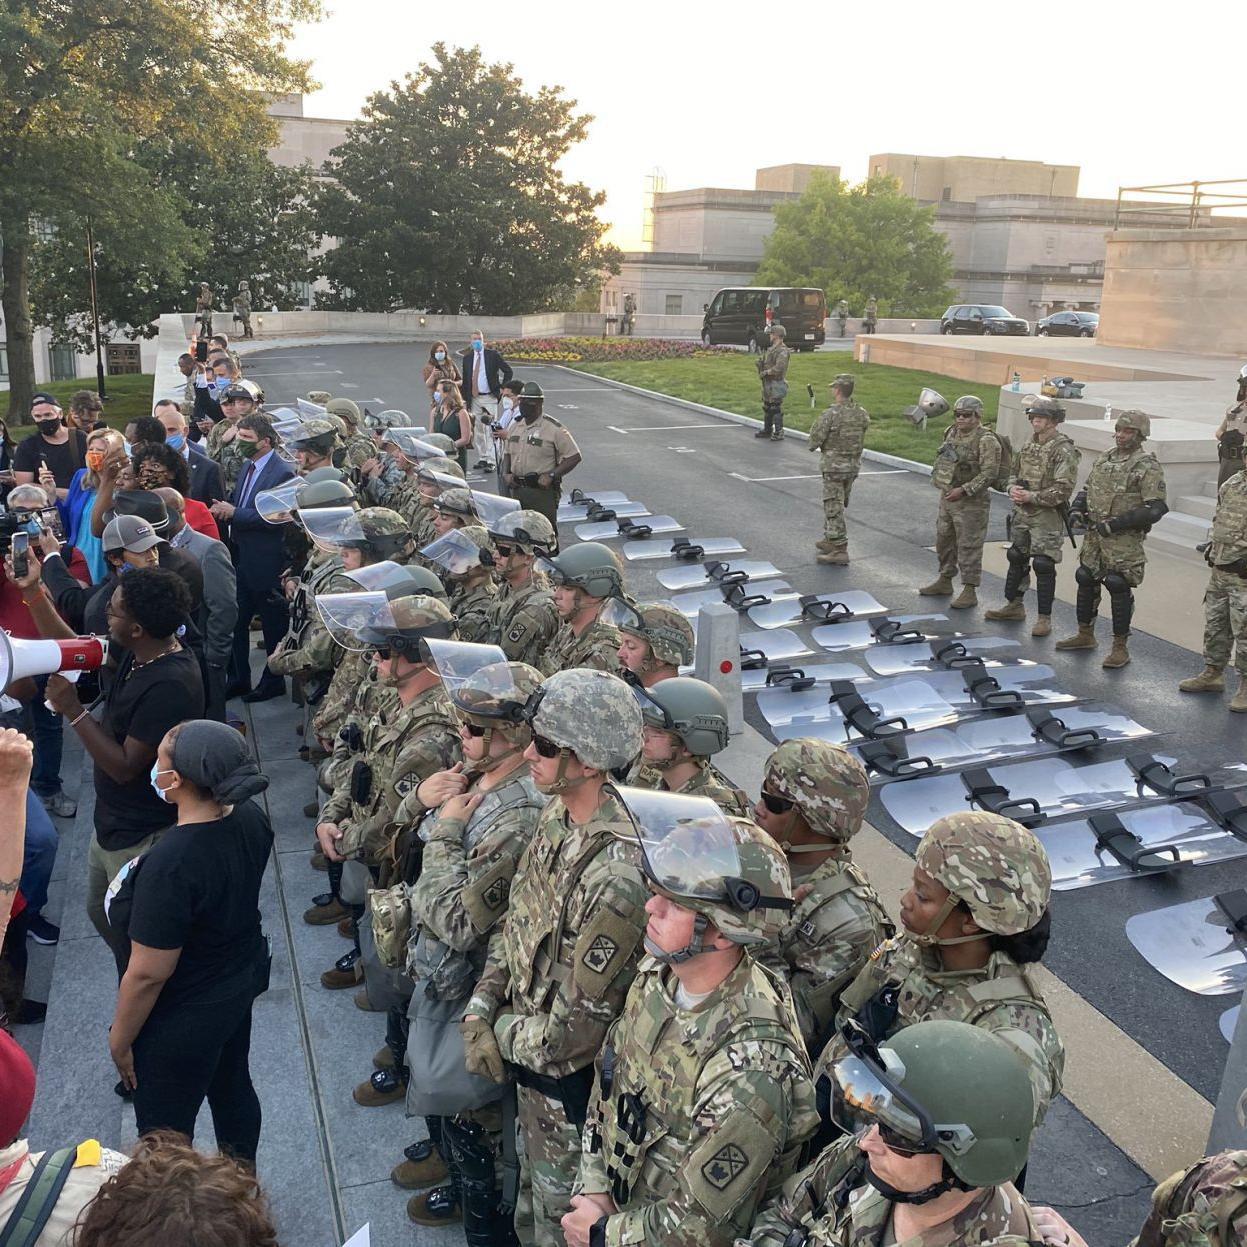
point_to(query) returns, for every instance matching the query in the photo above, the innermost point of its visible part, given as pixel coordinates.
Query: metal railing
(1182, 204)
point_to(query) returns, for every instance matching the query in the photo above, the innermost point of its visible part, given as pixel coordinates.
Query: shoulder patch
(724, 1170)
(603, 951)
(517, 633)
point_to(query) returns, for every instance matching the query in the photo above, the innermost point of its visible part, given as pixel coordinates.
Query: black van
(740, 315)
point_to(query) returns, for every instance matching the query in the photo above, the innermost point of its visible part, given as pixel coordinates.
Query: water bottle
(1017, 383)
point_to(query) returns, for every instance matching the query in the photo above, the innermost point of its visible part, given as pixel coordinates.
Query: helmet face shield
(309, 410)
(277, 506)
(334, 528)
(455, 552)
(348, 616)
(432, 482)
(458, 661)
(525, 531)
(409, 442)
(619, 614)
(492, 507)
(378, 577)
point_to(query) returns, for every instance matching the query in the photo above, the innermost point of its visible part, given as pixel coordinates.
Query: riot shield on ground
(699, 574)
(943, 655)
(820, 608)
(1200, 945)
(629, 529)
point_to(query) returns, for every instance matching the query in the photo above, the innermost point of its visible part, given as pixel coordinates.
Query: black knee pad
(1019, 558)
(1117, 584)
(1044, 565)
(1084, 576)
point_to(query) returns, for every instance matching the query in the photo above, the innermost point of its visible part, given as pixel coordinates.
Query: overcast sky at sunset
(1135, 93)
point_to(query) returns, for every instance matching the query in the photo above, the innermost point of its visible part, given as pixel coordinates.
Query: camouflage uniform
(1225, 599)
(523, 621)
(773, 372)
(227, 454)
(556, 976)
(1119, 481)
(386, 488)
(597, 646)
(1050, 471)
(830, 1202)
(1202, 1206)
(308, 648)
(708, 782)
(840, 434)
(402, 748)
(242, 308)
(354, 692)
(969, 461)
(1230, 461)
(726, 1087)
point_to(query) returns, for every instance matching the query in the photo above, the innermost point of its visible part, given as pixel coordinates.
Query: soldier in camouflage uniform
(380, 473)
(313, 443)
(584, 578)
(479, 825)
(966, 463)
(560, 968)
(451, 509)
(840, 435)
(1044, 474)
(466, 559)
(772, 372)
(814, 797)
(222, 443)
(980, 890)
(1225, 599)
(1231, 433)
(1123, 497)
(656, 640)
(424, 485)
(357, 447)
(523, 618)
(203, 309)
(242, 308)
(938, 1121)
(703, 1096)
(685, 724)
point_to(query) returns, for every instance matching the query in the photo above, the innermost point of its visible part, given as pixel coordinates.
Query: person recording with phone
(51, 455)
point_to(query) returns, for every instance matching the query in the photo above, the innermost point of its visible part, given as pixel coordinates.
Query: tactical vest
(1115, 484)
(1197, 1206)
(959, 459)
(646, 1123)
(1229, 524)
(846, 436)
(1036, 461)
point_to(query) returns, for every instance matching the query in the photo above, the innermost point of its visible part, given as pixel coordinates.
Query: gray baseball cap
(129, 532)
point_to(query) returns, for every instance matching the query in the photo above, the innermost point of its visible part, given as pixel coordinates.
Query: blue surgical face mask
(160, 792)
(176, 442)
(477, 344)
(439, 356)
(437, 396)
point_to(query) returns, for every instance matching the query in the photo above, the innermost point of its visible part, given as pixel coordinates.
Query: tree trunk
(19, 334)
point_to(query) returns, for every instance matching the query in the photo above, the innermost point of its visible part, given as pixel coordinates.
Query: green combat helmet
(457, 502)
(827, 785)
(311, 494)
(391, 418)
(590, 713)
(377, 532)
(726, 870)
(319, 397)
(589, 566)
(347, 410)
(664, 629)
(326, 473)
(403, 625)
(1202, 1206)
(442, 442)
(997, 867)
(430, 469)
(317, 435)
(967, 404)
(690, 709)
(1039, 406)
(529, 531)
(494, 698)
(1139, 421)
(944, 1087)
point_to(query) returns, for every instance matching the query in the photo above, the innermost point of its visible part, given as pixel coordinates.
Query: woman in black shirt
(198, 958)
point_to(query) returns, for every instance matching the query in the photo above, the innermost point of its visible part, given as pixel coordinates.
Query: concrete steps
(1199, 505)
(1179, 533)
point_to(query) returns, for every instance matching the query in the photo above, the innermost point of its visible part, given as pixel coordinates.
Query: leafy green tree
(858, 241)
(83, 85)
(448, 196)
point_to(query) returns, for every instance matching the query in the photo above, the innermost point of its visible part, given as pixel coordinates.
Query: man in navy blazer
(259, 556)
(205, 473)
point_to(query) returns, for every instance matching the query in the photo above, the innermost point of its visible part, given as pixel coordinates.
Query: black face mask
(530, 409)
(48, 427)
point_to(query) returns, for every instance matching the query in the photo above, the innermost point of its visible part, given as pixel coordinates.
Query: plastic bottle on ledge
(1016, 386)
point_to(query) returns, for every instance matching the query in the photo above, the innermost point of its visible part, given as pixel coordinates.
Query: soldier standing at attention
(840, 434)
(967, 462)
(1231, 433)
(523, 618)
(814, 797)
(1225, 599)
(842, 315)
(203, 309)
(584, 578)
(1123, 497)
(772, 371)
(703, 1096)
(242, 308)
(540, 452)
(557, 974)
(872, 314)
(1044, 474)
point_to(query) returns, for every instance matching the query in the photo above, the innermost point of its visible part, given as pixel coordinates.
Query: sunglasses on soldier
(546, 747)
(776, 805)
(473, 729)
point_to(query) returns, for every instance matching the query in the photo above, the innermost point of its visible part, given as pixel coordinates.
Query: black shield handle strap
(580, 499)
(1234, 906)
(1047, 727)
(982, 790)
(954, 655)
(1229, 808)
(815, 607)
(629, 530)
(791, 677)
(736, 597)
(1112, 835)
(986, 690)
(861, 716)
(729, 577)
(888, 757)
(890, 632)
(1152, 773)
(684, 549)
(752, 659)
(599, 515)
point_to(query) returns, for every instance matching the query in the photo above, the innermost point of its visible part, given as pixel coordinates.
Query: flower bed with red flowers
(602, 350)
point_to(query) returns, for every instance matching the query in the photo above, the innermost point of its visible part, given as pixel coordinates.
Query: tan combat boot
(439, 1206)
(384, 1059)
(386, 1086)
(940, 587)
(1043, 625)
(1119, 655)
(1084, 638)
(1239, 704)
(1010, 610)
(1210, 680)
(423, 1166)
(967, 598)
(825, 544)
(837, 556)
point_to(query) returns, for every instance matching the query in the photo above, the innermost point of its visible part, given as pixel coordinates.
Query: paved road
(719, 481)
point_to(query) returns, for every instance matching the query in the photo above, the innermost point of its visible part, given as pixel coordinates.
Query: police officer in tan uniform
(539, 453)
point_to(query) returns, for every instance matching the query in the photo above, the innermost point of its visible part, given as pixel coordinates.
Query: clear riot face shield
(278, 506)
(458, 661)
(334, 529)
(456, 553)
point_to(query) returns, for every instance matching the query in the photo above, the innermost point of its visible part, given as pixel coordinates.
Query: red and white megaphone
(20, 657)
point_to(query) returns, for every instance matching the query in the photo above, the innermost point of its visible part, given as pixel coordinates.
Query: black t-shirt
(199, 890)
(63, 460)
(144, 703)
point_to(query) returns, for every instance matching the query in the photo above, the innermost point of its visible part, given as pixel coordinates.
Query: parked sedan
(1068, 325)
(982, 318)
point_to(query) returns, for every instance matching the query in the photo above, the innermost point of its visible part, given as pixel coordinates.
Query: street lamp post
(95, 314)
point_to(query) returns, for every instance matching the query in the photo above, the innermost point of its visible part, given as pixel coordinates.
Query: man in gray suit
(220, 598)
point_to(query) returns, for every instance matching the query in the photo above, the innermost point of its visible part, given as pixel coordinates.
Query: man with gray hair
(207, 483)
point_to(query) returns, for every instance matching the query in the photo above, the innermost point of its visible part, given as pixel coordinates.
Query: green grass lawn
(128, 396)
(730, 382)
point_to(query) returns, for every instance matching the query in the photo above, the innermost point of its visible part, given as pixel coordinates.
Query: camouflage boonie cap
(319, 397)
(456, 502)
(345, 409)
(996, 866)
(592, 713)
(1138, 420)
(1203, 1206)
(667, 632)
(828, 784)
(442, 442)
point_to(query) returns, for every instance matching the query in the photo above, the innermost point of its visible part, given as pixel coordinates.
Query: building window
(122, 358)
(4, 363)
(62, 363)
(675, 305)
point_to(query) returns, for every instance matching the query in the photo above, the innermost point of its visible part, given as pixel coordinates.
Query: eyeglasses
(384, 652)
(776, 805)
(898, 1143)
(504, 552)
(546, 747)
(472, 729)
